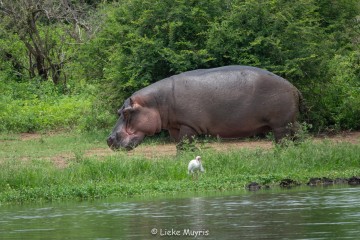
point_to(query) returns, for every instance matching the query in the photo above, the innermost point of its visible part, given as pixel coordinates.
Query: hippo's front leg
(174, 134)
(186, 136)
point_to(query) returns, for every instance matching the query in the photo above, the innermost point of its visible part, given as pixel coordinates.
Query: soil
(169, 149)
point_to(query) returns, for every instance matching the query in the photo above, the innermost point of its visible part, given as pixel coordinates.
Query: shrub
(27, 108)
(312, 44)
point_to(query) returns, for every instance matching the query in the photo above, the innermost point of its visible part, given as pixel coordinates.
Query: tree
(46, 28)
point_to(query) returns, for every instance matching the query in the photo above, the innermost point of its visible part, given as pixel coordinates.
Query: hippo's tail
(303, 107)
(302, 104)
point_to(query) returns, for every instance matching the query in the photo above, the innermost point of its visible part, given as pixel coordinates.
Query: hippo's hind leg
(285, 132)
(280, 133)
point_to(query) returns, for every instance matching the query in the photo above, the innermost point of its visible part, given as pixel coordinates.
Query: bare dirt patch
(350, 137)
(30, 136)
(36, 136)
(61, 161)
(237, 144)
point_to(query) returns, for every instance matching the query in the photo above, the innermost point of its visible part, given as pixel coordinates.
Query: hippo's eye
(126, 113)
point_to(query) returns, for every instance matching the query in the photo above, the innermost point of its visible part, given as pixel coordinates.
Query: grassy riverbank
(29, 171)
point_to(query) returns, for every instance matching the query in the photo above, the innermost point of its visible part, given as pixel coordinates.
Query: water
(303, 213)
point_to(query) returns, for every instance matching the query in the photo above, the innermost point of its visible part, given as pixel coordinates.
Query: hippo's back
(228, 100)
(230, 85)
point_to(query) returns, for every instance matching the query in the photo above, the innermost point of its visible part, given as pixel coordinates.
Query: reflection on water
(303, 213)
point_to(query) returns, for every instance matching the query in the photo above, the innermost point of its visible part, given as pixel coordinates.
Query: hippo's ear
(131, 102)
(127, 111)
(128, 108)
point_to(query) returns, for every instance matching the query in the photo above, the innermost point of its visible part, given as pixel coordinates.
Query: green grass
(49, 145)
(85, 177)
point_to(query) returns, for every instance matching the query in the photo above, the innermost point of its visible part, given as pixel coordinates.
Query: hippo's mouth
(128, 143)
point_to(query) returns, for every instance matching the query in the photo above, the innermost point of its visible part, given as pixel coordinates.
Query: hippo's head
(137, 119)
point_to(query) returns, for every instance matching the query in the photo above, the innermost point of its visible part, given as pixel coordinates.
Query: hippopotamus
(227, 102)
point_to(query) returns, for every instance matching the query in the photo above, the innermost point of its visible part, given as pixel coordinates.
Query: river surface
(300, 213)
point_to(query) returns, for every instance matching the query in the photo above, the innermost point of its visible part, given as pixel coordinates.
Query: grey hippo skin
(228, 102)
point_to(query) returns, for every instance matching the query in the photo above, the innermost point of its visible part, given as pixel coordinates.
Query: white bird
(195, 165)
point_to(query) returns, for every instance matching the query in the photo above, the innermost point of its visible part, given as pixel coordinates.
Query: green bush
(145, 41)
(339, 99)
(26, 107)
(37, 115)
(97, 117)
(310, 43)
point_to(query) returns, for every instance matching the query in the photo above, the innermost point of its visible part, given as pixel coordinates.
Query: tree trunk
(40, 66)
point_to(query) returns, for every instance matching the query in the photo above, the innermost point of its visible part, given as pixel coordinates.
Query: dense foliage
(121, 46)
